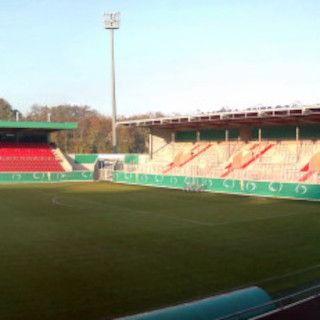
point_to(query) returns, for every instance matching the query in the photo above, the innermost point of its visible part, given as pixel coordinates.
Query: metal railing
(275, 305)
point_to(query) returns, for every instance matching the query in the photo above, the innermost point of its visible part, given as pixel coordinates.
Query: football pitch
(93, 251)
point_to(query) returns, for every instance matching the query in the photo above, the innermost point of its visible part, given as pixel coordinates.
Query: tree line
(94, 129)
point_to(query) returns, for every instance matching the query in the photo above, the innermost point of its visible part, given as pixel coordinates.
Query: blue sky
(171, 56)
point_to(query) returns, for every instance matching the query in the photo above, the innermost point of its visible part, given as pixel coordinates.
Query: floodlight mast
(112, 22)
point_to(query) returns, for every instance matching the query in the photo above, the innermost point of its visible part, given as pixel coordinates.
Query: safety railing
(276, 305)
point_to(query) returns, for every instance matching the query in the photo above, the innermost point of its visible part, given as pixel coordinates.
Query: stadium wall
(46, 177)
(243, 187)
(85, 158)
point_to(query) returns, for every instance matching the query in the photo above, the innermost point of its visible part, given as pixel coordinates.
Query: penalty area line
(55, 201)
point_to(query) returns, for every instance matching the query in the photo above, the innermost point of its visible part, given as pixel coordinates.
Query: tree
(94, 129)
(92, 135)
(6, 111)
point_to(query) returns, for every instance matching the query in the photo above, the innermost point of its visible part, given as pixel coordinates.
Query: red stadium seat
(28, 157)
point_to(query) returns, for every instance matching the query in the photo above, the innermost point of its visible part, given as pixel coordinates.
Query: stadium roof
(37, 125)
(265, 116)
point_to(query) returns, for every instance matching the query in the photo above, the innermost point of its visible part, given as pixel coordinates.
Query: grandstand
(28, 155)
(276, 146)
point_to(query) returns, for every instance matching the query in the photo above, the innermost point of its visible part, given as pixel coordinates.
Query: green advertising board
(42, 177)
(243, 187)
(86, 158)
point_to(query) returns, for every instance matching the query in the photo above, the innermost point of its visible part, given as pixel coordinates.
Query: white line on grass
(264, 281)
(289, 274)
(297, 272)
(55, 201)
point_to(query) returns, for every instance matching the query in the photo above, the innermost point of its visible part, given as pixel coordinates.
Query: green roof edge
(38, 125)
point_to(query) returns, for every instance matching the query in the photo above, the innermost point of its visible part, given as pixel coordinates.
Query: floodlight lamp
(112, 20)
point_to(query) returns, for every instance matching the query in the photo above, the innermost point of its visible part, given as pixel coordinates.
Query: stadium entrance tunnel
(250, 302)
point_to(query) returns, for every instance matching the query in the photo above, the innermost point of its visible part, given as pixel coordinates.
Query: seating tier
(28, 157)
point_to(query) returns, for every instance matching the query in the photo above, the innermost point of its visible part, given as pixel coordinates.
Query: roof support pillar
(173, 136)
(150, 146)
(297, 144)
(227, 140)
(259, 134)
(198, 135)
(173, 139)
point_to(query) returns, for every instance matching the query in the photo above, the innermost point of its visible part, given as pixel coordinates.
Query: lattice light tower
(112, 22)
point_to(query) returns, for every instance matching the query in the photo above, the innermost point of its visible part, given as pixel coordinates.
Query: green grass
(98, 250)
